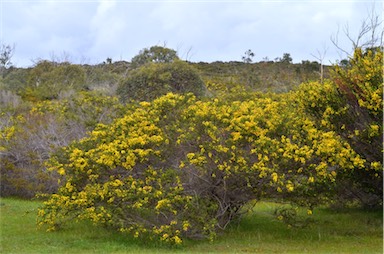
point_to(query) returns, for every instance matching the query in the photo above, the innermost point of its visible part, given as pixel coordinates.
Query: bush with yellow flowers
(179, 167)
(351, 105)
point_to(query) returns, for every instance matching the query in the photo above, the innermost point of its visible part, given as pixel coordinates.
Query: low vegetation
(173, 152)
(259, 231)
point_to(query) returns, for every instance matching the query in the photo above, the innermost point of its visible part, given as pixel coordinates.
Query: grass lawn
(347, 231)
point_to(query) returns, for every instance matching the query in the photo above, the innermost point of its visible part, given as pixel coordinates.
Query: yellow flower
(290, 187)
(274, 177)
(185, 225)
(177, 240)
(61, 171)
(162, 203)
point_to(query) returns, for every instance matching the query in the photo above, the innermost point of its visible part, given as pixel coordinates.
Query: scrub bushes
(29, 137)
(156, 79)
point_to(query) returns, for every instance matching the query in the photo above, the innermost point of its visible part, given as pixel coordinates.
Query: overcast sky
(91, 31)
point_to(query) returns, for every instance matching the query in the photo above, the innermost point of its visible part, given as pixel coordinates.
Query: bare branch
(320, 57)
(370, 34)
(335, 42)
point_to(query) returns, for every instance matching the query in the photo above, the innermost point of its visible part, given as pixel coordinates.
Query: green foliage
(48, 79)
(222, 78)
(102, 78)
(286, 58)
(15, 81)
(6, 53)
(310, 66)
(155, 54)
(156, 79)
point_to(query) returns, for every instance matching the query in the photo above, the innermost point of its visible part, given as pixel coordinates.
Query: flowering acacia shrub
(178, 167)
(351, 104)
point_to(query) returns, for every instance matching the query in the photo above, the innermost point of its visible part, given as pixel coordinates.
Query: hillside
(218, 76)
(171, 150)
(263, 76)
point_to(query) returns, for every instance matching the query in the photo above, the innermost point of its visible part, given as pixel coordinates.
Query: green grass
(346, 231)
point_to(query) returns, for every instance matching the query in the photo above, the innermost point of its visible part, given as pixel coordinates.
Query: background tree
(156, 79)
(320, 57)
(48, 79)
(248, 55)
(154, 54)
(6, 53)
(286, 58)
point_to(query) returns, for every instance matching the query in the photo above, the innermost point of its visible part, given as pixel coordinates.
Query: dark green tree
(48, 79)
(154, 54)
(156, 79)
(286, 58)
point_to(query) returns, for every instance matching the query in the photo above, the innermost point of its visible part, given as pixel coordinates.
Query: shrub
(48, 79)
(102, 78)
(178, 167)
(154, 80)
(155, 54)
(29, 137)
(351, 105)
(16, 80)
(25, 144)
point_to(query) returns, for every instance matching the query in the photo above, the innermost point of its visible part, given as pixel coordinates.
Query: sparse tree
(248, 55)
(320, 57)
(6, 53)
(344, 63)
(64, 57)
(108, 60)
(265, 59)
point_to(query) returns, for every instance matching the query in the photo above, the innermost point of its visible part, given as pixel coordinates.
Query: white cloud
(215, 31)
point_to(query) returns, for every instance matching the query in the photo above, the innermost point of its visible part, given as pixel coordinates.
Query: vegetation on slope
(186, 164)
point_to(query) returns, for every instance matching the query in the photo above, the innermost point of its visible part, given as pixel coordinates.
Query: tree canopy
(154, 54)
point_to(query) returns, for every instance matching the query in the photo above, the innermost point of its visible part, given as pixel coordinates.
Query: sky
(89, 32)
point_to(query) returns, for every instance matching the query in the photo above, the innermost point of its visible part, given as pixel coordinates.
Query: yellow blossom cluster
(350, 106)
